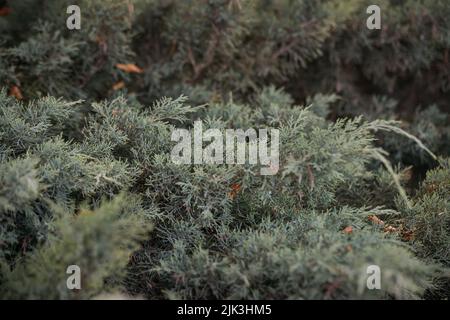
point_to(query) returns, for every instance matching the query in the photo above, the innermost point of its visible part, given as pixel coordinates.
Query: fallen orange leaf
(129, 68)
(234, 190)
(348, 230)
(376, 220)
(5, 11)
(390, 229)
(15, 92)
(408, 235)
(116, 112)
(119, 85)
(100, 40)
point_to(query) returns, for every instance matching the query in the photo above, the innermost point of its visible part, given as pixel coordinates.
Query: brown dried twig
(209, 55)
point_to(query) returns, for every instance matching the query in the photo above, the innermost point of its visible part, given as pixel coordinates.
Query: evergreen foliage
(100, 242)
(86, 176)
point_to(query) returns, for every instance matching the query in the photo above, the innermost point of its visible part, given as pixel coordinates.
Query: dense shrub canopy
(86, 177)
